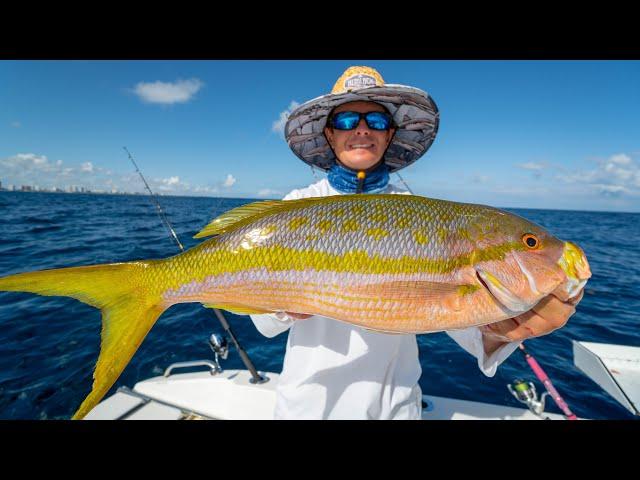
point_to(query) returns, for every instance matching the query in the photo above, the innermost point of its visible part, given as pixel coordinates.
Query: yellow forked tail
(129, 303)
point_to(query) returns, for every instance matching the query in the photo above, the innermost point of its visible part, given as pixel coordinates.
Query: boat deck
(230, 395)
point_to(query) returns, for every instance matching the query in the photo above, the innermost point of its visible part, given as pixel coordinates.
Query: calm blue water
(49, 344)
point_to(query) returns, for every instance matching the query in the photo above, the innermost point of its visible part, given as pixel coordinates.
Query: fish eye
(531, 241)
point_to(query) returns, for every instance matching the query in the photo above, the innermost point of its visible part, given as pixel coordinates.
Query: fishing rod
(163, 217)
(256, 377)
(542, 376)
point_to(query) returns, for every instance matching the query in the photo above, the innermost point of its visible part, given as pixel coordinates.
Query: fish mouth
(576, 268)
(502, 294)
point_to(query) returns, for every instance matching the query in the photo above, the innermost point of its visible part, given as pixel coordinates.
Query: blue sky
(538, 134)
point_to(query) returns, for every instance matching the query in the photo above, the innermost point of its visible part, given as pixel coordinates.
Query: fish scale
(390, 263)
(317, 244)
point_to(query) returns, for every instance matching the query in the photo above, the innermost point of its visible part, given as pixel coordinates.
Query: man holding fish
(364, 273)
(339, 370)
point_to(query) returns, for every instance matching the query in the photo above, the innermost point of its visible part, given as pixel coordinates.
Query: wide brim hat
(414, 112)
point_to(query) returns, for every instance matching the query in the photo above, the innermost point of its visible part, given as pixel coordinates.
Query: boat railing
(214, 367)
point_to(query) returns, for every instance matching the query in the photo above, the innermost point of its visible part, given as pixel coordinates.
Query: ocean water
(48, 345)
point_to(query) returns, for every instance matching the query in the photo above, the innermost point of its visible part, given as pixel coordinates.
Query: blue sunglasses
(350, 120)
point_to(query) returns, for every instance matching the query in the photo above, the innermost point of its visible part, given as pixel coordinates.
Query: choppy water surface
(49, 344)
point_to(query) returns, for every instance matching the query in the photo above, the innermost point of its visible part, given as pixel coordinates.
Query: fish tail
(129, 302)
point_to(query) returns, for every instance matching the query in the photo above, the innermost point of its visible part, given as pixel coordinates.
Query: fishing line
(404, 183)
(256, 377)
(163, 217)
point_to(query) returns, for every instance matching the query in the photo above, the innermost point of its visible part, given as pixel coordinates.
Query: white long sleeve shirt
(336, 370)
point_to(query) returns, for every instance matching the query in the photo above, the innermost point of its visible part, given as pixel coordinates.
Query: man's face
(360, 148)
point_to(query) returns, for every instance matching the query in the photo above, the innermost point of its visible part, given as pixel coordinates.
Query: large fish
(390, 263)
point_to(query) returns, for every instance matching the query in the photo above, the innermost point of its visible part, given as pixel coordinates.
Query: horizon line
(272, 198)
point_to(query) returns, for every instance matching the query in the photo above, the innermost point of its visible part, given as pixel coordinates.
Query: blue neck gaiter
(346, 181)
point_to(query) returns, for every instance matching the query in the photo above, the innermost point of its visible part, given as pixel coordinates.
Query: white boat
(217, 394)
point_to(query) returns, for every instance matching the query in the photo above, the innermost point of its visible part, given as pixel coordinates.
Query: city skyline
(56, 189)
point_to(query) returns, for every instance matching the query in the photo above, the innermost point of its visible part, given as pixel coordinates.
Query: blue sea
(49, 345)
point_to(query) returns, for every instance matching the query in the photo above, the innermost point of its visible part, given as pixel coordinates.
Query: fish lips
(577, 270)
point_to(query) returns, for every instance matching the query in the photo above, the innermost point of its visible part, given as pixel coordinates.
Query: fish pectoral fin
(237, 309)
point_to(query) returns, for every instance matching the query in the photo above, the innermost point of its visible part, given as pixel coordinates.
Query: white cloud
(268, 192)
(35, 169)
(578, 177)
(612, 190)
(532, 166)
(618, 174)
(171, 181)
(278, 125)
(171, 184)
(621, 159)
(28, 161)
(16, 124)
(229, 181)
(168, 93)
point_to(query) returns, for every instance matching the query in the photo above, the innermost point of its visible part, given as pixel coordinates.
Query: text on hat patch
(359, 81)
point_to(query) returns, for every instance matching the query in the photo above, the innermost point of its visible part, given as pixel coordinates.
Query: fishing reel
(220, 348)
(525, 392)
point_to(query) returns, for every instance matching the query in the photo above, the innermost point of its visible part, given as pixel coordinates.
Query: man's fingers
(535, 325)
(548, 315)
(554, 310)
(527, 325)
(508, 330)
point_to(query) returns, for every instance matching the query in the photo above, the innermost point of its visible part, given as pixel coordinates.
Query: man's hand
(548, 315)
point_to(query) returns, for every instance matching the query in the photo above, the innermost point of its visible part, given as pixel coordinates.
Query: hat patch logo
(360, 81)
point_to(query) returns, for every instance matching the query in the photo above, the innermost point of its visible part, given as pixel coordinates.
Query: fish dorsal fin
(240, 216)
